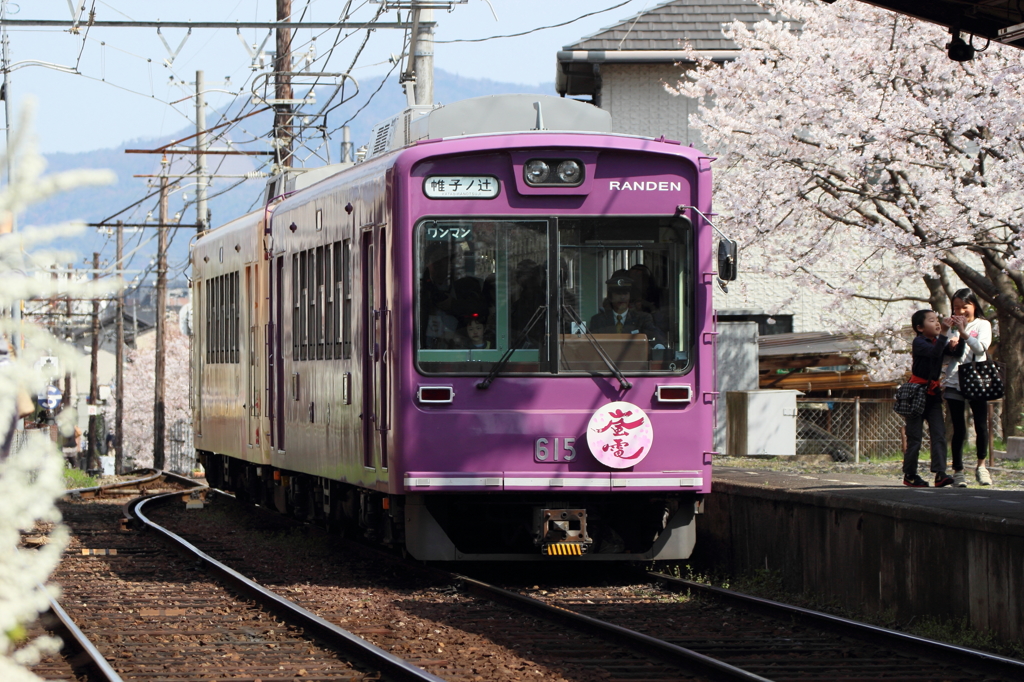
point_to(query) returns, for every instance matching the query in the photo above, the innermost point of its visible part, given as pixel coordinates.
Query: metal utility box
(761, 422)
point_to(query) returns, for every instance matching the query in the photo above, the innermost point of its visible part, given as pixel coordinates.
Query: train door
(375, 354)
(252, 399)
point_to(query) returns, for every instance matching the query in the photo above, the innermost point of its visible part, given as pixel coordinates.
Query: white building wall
(635, 96)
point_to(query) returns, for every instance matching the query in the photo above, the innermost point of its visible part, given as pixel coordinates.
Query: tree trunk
(937, 297)
(1011, 352)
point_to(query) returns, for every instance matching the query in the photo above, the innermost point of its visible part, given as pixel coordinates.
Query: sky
(128, 87)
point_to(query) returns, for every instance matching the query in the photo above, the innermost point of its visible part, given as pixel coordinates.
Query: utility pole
(5, 46)
(283, 86)
(94, 386)
(159, 414)
(119, 387)
(202, 214)
(418, 77)
(424, 57)
(66, 400)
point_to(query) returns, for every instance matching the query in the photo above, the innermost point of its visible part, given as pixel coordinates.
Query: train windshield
(559, 293)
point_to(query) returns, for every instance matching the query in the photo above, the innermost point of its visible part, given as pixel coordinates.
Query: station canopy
(998, 20)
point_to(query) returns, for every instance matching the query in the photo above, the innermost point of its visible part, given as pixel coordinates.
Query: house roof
(669, 25)
(657, 35)
(805, 343)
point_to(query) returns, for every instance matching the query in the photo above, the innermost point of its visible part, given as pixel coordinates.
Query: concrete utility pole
(119, 379)
(94, 386)
(66, 399)
(283, 86)
(5, 45)
(418, 77)
(159, 411)
(424, 57)
(202, 213)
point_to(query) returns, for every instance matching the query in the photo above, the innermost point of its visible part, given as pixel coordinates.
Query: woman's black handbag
(910, 400)
(981, 380)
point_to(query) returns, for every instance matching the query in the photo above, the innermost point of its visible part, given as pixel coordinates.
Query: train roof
(488, 115)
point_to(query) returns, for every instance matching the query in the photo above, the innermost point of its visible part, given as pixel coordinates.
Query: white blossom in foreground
(31, 466)
(859, 161)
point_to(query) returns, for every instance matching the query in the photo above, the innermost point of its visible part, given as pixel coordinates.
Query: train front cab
(512, 288)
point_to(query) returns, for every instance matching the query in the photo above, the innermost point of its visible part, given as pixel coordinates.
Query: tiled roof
(669, 25)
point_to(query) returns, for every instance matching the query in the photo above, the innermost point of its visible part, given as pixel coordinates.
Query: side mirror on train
(727, 252)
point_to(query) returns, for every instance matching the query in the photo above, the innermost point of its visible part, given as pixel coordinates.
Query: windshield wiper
(612, 367)
(537, 315)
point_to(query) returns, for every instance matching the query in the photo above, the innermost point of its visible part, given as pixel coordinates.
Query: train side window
(295, 306)
(311, 304)
(328, 302)
(346, 286)
(319, 294)
(220, 319)
(216, 320)
(237, 316)
(209, 325)
(303, 302)
(234, 317)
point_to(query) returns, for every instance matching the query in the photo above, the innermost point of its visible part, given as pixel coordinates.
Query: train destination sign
(461, 186)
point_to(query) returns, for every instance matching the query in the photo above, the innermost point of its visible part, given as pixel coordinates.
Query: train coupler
(563, 532)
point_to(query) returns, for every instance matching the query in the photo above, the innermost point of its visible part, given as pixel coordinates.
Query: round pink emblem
(620, 435)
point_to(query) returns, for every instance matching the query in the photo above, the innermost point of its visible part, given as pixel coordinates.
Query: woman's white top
(978, 338)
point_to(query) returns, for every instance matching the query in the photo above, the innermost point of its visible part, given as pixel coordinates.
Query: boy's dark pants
(936, 429)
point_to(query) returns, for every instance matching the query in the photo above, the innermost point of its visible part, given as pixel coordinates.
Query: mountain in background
(96, 204)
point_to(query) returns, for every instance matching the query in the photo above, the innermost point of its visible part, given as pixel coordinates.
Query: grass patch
(76, 478)
(960, 633)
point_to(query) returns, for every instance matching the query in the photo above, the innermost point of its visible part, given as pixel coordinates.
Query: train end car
(491, 340)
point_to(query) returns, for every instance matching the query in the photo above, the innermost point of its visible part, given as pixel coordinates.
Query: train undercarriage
(474, 526)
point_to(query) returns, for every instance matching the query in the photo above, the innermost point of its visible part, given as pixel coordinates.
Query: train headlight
(537, 172)
(569, 172)
(553, 172)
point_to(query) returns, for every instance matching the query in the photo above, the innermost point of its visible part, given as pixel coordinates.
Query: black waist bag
(910, 399)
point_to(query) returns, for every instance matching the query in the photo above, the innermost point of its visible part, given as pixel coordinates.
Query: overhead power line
(65, 23)
(533, 30)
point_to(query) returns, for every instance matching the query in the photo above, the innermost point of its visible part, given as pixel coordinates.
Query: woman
(974, 334)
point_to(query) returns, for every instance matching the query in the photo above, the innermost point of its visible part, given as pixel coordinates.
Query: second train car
(492, 339)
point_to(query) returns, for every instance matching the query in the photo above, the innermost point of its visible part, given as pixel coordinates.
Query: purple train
(491, 339)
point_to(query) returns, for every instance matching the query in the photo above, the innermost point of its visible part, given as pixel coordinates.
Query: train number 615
(541, 453)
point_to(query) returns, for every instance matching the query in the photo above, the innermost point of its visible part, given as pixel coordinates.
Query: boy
(928, 349)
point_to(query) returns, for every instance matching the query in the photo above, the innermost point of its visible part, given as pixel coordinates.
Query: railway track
(594, 634)
(151, 614)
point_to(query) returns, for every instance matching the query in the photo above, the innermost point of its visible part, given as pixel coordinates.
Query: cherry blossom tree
(140, 385)
(857, 159)
(31, 466)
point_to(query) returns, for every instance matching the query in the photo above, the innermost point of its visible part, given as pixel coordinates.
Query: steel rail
(620, 636)
(970, 658)
(153, 475)
(335, 636)
(57, 621)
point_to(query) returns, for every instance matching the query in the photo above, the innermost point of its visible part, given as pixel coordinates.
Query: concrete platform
(870, 543)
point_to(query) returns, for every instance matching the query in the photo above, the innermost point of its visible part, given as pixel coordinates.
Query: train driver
(622, 318)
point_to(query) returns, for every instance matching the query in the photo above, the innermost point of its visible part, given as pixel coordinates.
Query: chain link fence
(181, 456)
(851, 428)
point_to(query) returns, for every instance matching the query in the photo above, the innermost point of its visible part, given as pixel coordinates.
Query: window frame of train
(673, 263)
(222, 313)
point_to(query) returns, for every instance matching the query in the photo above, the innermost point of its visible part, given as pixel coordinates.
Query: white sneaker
(959, 480)
(981, 473)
